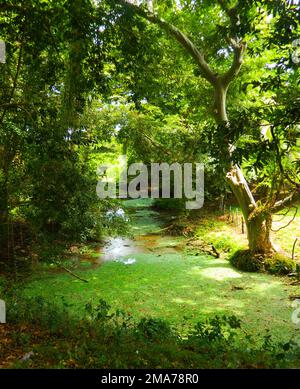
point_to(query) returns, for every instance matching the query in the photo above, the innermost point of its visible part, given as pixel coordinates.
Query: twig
(282, 214)
(281, 228)
(73, 274)
(156, 143)
(217, 254)
(294, 246)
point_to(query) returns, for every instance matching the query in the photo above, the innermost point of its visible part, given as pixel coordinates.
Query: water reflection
(115, 248)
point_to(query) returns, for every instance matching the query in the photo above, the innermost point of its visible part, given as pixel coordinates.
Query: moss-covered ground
(167, 281)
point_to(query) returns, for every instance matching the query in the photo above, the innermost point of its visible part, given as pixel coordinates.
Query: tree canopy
(175, 80)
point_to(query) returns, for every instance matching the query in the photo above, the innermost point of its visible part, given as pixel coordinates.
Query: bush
(279, 264)
(276, 264)
(225, 243)
(247, 261)
(166, 204)
(154, 329)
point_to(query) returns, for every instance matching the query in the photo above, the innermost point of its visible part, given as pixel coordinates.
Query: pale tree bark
(258, 221)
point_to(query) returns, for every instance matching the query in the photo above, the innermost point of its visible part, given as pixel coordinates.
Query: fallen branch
(73, 274)
(217, 254)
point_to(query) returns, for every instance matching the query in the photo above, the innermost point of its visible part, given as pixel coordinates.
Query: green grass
(223, 236)
(285, 237)
(105, 338)
(227, 236)
(174, 286)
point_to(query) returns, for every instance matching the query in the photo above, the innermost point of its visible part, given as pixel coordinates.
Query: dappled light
(174, 283)
(217, 273)
(149, 186)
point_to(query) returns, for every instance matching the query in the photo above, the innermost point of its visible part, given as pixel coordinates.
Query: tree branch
(12, 106)
(292, 219)
(230, 12)
(239, 49)
(156, 143)
(241, 190)
(282, 203)
(182, 38)
(237, 45)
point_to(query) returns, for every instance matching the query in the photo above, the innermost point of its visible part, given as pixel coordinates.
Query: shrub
(154, 329)
(275, 264)
(225, 243)
(279, 264)
(247, 261)
(166, 204)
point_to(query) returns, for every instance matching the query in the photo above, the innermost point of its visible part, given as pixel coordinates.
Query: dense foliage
(114, 339)
(81, 77)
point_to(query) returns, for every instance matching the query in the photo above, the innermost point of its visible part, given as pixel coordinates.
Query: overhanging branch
(182, 38)
(282, 203)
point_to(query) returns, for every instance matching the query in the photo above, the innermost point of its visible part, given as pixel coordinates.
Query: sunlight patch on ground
(179, 300)
(216, 273)
(169, 282)
(264, 286)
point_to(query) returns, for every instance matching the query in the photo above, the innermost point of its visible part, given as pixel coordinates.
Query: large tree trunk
(259, 236)
(258, 222)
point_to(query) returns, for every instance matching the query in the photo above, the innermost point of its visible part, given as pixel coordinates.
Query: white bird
(129, 261)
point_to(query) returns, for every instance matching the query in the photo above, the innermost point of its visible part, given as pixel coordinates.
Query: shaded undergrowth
(106, 338)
